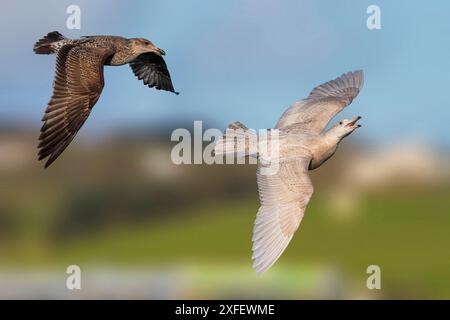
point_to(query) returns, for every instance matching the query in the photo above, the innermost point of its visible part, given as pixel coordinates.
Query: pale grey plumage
(276, 224)
(303, 146)
(312, 114)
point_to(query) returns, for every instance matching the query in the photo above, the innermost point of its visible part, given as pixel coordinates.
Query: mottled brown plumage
(79, 81)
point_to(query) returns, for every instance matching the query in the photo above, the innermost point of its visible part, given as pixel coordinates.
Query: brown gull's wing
(77, 86)
(152, 69)
(312, 114)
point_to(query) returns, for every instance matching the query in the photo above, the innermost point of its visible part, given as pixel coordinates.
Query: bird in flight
(304, 145)
(79, 81)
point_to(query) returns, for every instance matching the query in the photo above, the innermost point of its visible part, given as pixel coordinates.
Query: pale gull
(304, 145)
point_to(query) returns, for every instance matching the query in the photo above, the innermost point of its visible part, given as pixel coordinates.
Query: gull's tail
(237, 140)
(50, 43)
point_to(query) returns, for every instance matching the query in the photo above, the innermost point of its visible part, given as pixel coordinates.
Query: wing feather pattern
(284, 197)
(152, 69)
(313, 114)
(77, 87)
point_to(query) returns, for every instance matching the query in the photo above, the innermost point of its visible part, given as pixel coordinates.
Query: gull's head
(344, 127)
(141, 45)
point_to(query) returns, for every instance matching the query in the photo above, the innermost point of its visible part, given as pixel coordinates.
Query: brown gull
(79, 81)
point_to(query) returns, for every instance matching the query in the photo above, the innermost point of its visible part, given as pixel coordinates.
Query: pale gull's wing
(152, 69)
(312, 114)
(284, 197)
(77, 87)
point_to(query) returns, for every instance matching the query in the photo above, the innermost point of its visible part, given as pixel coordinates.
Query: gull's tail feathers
(237, 140)
(50, 43)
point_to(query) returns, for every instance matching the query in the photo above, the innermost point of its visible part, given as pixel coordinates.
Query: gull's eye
(146, 43)
(340, 123)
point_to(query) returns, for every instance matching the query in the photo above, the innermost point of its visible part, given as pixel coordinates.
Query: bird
(79, 81)
(304, 144)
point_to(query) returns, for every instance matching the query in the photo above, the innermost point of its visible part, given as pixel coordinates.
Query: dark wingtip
(42, 157)
(49, 162)
(176, 92)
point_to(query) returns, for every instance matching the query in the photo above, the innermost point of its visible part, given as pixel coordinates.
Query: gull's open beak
(352, 123)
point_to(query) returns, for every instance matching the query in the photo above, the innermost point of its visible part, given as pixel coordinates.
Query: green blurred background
(141, 227)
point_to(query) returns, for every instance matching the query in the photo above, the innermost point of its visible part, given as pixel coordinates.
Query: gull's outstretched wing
(77, 87)
(312, 114)
(152, 69)
(284, 197)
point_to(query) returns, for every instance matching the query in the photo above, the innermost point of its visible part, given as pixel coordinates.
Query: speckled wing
(152, 69)
(312, 114)
(77, 86)
(284, 197)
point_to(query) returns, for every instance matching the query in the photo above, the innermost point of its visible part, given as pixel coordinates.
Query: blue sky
(245, 60)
